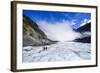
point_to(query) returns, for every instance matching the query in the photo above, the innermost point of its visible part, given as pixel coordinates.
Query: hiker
(44, 48)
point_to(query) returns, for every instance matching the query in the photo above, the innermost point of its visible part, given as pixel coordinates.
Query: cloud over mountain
(60, 31)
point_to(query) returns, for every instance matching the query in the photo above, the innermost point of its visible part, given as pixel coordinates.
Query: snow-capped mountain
(85, 28)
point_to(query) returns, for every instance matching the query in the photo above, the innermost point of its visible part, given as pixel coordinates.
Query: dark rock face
(86, 38)
(32, 34)
(86, 27)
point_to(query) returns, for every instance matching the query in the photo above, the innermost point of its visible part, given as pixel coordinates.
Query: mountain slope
(86, 33)
(32, 34)
(86, 27)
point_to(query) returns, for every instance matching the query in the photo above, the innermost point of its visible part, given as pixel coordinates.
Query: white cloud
(61, 31)
(85, 20)
(87, 34)
(73, 22)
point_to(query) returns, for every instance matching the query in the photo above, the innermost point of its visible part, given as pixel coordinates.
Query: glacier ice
(61, 51)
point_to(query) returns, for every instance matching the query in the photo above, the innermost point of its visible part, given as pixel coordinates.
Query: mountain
(84, 39)
(86, 27)
(32, 34)
(86, 33)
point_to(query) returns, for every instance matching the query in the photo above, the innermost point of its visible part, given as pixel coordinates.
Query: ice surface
(61, 51)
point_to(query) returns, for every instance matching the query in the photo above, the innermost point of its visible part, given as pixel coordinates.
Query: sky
(75, 18)
(59, 25)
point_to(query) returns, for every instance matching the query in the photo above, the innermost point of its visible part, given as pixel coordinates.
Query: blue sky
(75, 18)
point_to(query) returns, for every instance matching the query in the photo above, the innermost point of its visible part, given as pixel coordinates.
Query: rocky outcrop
(86, 33)
(32, 34)
(86, 27)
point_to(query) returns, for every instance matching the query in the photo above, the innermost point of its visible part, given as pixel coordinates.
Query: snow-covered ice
(61, 51)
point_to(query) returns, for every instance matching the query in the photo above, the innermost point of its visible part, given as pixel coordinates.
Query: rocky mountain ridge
(32, 34)
(86, 33)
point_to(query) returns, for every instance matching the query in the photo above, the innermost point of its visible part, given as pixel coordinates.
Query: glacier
(61, 51)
